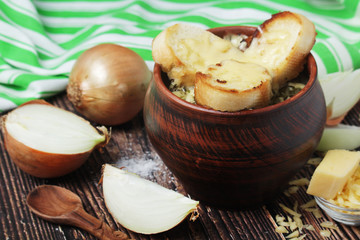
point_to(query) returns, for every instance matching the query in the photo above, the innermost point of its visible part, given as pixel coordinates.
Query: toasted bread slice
(281, 44)
(183, 49)
(232, 86)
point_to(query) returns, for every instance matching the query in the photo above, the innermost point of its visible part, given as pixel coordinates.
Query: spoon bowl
(59, 205)
(59, 202)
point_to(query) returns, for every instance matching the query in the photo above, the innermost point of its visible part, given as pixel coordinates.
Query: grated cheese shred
(349, 197)
(300, 182)
(325, 233)
(292, 225)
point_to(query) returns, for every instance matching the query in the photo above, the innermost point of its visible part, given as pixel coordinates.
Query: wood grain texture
(129, 141)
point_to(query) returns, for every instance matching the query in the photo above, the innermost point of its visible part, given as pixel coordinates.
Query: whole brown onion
(108, 84)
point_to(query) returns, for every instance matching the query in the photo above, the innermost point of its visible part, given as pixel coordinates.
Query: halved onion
(143, 206)
(47, 141)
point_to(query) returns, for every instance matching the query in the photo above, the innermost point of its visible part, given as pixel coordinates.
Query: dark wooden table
(130, 146)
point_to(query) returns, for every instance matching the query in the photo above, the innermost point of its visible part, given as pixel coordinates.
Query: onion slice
(342, 92)
(143, 206)
(340, 137)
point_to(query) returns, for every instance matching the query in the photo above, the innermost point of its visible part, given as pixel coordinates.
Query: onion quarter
(46, 141)
(143, 206)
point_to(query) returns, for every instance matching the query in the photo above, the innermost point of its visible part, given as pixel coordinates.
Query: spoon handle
(96, 227)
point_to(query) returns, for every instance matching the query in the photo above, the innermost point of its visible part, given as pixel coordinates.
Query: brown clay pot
(240, 159)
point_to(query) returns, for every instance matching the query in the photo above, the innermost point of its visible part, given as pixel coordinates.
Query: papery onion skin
(108, 84)
(44, 164)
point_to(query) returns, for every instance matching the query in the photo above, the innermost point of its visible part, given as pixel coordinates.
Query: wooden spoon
(61, 206)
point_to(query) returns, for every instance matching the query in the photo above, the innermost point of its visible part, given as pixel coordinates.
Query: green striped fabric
(41, 39)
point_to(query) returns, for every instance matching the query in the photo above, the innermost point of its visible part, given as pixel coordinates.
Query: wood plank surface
(129, 146)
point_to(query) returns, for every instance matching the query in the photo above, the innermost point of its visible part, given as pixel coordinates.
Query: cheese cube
(333, 172)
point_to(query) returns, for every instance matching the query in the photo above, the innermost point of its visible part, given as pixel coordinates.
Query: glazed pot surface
(239, 159)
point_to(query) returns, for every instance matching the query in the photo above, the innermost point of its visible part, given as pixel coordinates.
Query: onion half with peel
(46, 141)
(143, 206)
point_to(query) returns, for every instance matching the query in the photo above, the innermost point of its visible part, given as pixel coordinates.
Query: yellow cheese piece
(333, 172)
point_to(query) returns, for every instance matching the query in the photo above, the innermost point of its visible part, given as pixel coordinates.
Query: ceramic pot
(234, 159)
